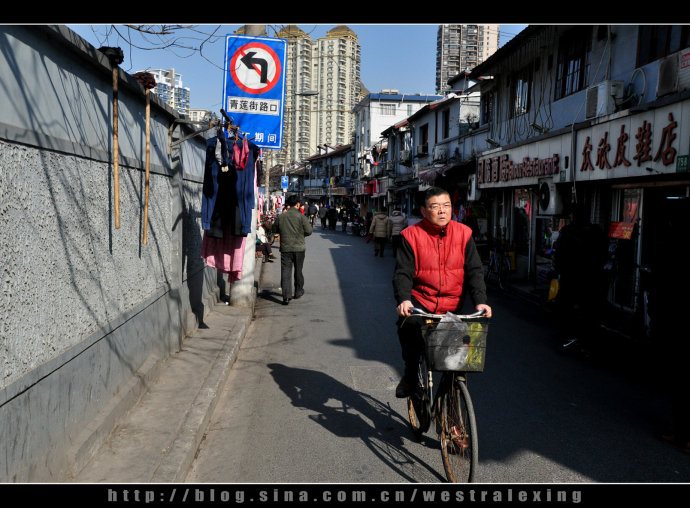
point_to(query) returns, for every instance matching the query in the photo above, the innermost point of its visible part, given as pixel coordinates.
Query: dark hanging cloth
(244, 186)
(115, 55)
(219, 198)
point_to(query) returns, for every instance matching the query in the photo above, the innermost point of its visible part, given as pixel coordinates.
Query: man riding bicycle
(437, 267)
(312, 211)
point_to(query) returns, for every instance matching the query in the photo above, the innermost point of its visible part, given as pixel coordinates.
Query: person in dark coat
(579, 258)
(667, 309)
(332, 218)
(292, 227)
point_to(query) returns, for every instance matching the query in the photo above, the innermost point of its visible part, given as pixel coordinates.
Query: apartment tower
(170, 89)
(322, 86)
(460, 48)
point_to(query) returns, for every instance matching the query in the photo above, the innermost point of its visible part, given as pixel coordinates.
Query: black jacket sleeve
(474, 285)
(403, 276)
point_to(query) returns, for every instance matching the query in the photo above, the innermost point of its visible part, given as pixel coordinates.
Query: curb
(163, 413)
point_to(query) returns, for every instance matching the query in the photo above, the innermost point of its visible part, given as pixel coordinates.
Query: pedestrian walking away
(323, 211)
(398, 223)
(293, 228)
(380, 229)
(437, 267)
(332, 215)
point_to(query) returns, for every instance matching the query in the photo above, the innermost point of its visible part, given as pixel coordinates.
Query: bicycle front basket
(457, 346)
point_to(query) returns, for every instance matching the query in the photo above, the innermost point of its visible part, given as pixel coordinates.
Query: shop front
(525, 192)
(628, 174)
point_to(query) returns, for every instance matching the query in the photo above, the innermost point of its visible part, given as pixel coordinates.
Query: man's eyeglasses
(435, 207)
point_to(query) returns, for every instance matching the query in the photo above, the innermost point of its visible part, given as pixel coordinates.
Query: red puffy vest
(439, 264)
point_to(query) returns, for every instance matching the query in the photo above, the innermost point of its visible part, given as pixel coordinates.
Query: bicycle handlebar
(420, 312)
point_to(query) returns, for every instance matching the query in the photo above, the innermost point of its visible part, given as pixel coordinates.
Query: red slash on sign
(255, 68)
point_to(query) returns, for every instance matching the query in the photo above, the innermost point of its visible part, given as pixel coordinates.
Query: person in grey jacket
(292, 227)
(381, 230)
(398, 223)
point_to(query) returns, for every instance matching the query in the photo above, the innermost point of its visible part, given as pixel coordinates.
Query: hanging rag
(115, 55)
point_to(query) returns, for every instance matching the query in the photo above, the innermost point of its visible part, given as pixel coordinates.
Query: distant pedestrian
(380, 229)
(292, 227)
(263, 242)
(323, 211)
(312, 211)
(398, 223)
(343, 219)
(332, 218)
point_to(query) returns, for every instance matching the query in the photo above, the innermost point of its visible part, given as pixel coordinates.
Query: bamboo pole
(148, 163)
(116, 149)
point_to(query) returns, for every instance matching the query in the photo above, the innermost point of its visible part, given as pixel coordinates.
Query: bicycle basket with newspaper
(455, 344)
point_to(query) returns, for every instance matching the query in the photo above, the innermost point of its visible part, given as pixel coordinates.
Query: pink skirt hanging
(224, 254)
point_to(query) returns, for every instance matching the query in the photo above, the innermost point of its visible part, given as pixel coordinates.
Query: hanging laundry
(244, 185)
(219, 200)
(240, 154)
(226, 254)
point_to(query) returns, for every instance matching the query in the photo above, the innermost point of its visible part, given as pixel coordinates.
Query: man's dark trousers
(288, 262)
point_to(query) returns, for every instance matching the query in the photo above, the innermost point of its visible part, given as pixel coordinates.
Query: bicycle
(499, 267)
(454, 350)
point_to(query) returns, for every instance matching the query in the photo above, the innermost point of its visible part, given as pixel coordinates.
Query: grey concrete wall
(87, 311)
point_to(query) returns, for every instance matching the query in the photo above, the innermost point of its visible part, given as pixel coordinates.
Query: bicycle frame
(451, 410)
(500, 266)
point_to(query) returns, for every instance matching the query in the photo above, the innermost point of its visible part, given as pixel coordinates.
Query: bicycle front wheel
(459, 443)
(419, 403)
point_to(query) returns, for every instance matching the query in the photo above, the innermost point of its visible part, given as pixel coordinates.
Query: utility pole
(242, 292)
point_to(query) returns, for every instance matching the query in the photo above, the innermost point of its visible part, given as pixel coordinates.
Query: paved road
(311, 395)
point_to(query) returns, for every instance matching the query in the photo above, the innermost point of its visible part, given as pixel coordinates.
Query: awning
(404, 187)
(430, 174)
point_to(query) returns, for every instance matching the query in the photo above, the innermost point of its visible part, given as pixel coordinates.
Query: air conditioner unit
(473, 194)
(550, 202)
(440, 153)
(683, 70)
(667, 77)
(600, 98)
(422, 149)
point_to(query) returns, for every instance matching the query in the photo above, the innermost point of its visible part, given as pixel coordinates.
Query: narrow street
(311, 395)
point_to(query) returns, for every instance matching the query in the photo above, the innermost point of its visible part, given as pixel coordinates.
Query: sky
(394, 56)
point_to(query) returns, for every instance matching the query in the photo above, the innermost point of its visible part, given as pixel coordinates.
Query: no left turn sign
(255, 68)
(254, 87)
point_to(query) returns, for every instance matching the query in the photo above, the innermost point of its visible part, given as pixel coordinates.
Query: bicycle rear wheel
(419, 403)
(459, 443)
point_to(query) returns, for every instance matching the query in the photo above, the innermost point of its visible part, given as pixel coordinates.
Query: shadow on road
(348, 413)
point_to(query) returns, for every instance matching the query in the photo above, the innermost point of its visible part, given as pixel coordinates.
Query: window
(520, 92)
(387, 109)
(658, 41)
(573, 62)
(487, 104)
(424, 137)
(445, 124)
